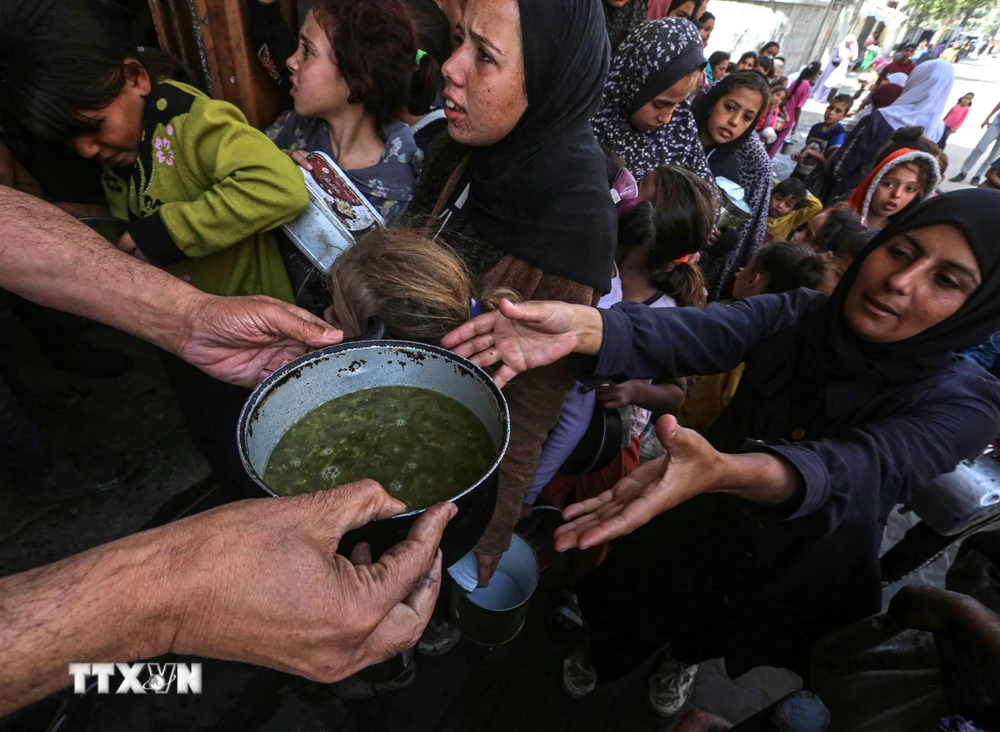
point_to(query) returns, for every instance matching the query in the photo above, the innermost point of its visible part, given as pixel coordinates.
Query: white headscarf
(923, 100)
(898, 78)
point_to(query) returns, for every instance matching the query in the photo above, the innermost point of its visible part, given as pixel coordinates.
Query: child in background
(791, 206)
(717, 67)
(657, 239)
(903, 179)
(828, 229)
(747, 62)
(200, 187)
(824, 137)
(774, 119)
(764, 65)
(955, 117)
(776, 268)
(351, 76)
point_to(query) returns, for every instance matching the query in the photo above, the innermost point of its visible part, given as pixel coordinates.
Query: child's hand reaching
(614, 396)
(127, 244)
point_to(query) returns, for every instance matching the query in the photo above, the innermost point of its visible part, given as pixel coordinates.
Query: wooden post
(212, 37)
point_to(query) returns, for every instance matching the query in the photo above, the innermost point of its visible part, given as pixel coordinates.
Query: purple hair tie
(475, 309)
(625, 191)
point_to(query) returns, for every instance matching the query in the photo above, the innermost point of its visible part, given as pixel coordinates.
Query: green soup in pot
(422, 446)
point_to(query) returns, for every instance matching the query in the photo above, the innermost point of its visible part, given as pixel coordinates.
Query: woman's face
(731, 116)
(706, 31)
(896, 190)
(719, 71)
(116, 141)
(318, 89)
(617, 3)
(911, 283)
(746, 64)
(682, 11)
(658, 112)
(771, 51)
(484, 78)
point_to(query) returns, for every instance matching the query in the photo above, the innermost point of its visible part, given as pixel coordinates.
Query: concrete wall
(806, 30)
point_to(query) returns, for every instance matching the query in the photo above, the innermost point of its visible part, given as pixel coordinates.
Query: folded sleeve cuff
(812, 472)
(616, 343)
(151, 236)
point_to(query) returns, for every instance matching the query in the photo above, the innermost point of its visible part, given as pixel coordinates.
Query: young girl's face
(318, 89)
(653, 115)
(731, 116)
(116, 141)
(896, 190)
(966, 101)
(719, 72)
(778, 98)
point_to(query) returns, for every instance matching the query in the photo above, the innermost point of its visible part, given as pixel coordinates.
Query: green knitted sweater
(205, 192)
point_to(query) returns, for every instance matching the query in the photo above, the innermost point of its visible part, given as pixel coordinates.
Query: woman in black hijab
(519, 189)
(765, 533)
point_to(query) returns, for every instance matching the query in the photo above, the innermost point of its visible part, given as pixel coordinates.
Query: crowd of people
(556, 177)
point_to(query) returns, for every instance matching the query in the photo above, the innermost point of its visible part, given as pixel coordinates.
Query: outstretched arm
(631, 340)
(50, 258)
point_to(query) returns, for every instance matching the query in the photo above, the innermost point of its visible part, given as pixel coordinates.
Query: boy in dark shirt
(824, 137)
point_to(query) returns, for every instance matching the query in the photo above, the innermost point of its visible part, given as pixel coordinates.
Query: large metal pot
(293, 391)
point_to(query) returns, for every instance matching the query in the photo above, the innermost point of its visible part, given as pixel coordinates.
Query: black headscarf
(831, 349)
(542, 192)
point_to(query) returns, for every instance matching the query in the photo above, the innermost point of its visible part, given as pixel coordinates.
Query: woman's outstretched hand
(691, 466)
(526, 336)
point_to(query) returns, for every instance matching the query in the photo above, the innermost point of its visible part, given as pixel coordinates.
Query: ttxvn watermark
(137, 678)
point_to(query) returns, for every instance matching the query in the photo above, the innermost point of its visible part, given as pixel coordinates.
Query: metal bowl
(733, 213)
(304, 384)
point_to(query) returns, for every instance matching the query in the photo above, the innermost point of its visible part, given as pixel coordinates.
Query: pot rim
(270, 385)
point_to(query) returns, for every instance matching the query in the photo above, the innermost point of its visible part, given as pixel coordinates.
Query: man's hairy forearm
(50, 258)
(105, 605)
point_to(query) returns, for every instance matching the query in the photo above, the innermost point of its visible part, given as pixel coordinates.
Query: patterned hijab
(651, 60)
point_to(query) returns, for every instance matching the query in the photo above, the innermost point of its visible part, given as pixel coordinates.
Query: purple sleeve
(577, 411)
